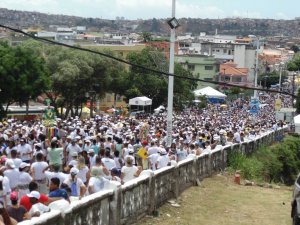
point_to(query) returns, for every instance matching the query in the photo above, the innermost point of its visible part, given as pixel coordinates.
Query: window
(237, 79)
(224, 50)
(227, 79)
(191, 67)
(208, 67)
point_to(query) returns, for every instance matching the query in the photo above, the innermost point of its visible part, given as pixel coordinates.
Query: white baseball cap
(34, 194)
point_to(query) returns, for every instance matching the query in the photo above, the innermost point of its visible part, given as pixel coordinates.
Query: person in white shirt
(12, 174)
(92, 157)
(4, 193)
(37, 208)
(25, 151)
(118, 161)
(129, 171)
(14, 158)
(72, 148)
(153, 149)
(84, 172)
(56, 173)
(97, 182)
(107, 161)
(236, 136)
(152, 160)
(24, 179)
(38, 169)
(130, 154)
(163, 159)
(76, 185)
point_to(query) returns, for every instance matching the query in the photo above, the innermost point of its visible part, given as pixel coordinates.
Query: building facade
(205, 67)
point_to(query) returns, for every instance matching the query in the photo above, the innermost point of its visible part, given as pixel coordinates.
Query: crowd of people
(82, 156)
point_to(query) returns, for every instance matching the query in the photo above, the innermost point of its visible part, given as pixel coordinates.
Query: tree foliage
(23, 75)
(155, 86)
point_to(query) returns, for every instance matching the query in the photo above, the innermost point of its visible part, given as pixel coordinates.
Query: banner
(254, 106)
(277, 104)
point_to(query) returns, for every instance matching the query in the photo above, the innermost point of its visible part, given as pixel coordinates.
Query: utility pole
(171, 81)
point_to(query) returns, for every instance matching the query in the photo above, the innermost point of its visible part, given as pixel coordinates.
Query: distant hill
(230, 26)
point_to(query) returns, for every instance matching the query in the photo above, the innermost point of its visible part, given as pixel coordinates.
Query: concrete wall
(126, 204)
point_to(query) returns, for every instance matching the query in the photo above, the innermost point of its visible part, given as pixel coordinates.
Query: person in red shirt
(25, 200)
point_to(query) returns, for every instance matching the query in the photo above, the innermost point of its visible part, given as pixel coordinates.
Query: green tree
(23, 75)
(294, 64)
(147, 37)
(295, 48)
(155, 86)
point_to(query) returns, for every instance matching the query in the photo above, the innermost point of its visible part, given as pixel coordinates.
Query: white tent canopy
(141, 101)
(297, 124)
(209, 92)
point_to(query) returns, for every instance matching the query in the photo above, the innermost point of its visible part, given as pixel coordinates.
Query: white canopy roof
(297, 120)
(209, 92)
(140, 101)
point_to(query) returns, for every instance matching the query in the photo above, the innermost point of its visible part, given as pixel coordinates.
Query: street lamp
(173, 23)
(281, 66)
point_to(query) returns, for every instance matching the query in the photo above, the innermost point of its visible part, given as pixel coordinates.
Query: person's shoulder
(43, 198)
(22, 208)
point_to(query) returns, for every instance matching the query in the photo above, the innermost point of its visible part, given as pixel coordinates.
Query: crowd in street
(82, 156)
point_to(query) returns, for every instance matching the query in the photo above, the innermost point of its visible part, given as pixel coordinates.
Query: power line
(157, 72)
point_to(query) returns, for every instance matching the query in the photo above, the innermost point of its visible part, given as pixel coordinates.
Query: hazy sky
(145, 9)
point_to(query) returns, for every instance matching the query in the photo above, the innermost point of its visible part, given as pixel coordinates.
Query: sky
(146, 9)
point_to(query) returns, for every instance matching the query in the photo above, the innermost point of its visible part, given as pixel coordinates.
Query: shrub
(271, 166)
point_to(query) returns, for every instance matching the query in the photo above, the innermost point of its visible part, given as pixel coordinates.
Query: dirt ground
(219, 201)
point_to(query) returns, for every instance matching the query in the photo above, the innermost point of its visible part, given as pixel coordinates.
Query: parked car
(295, 212)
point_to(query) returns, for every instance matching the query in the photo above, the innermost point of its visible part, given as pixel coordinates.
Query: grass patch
(279, 163)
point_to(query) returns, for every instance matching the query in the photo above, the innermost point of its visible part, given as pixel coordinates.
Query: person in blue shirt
(55, 191)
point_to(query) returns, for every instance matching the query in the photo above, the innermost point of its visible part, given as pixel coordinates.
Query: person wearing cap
(76, 185)
(12, 174)
(37, 208)
(72, 148)
(25, 200)
(130, 155)
(74, 161)
(16, 211)
(163, 159)
(24, 179)
(25, 151)
(92, 157)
